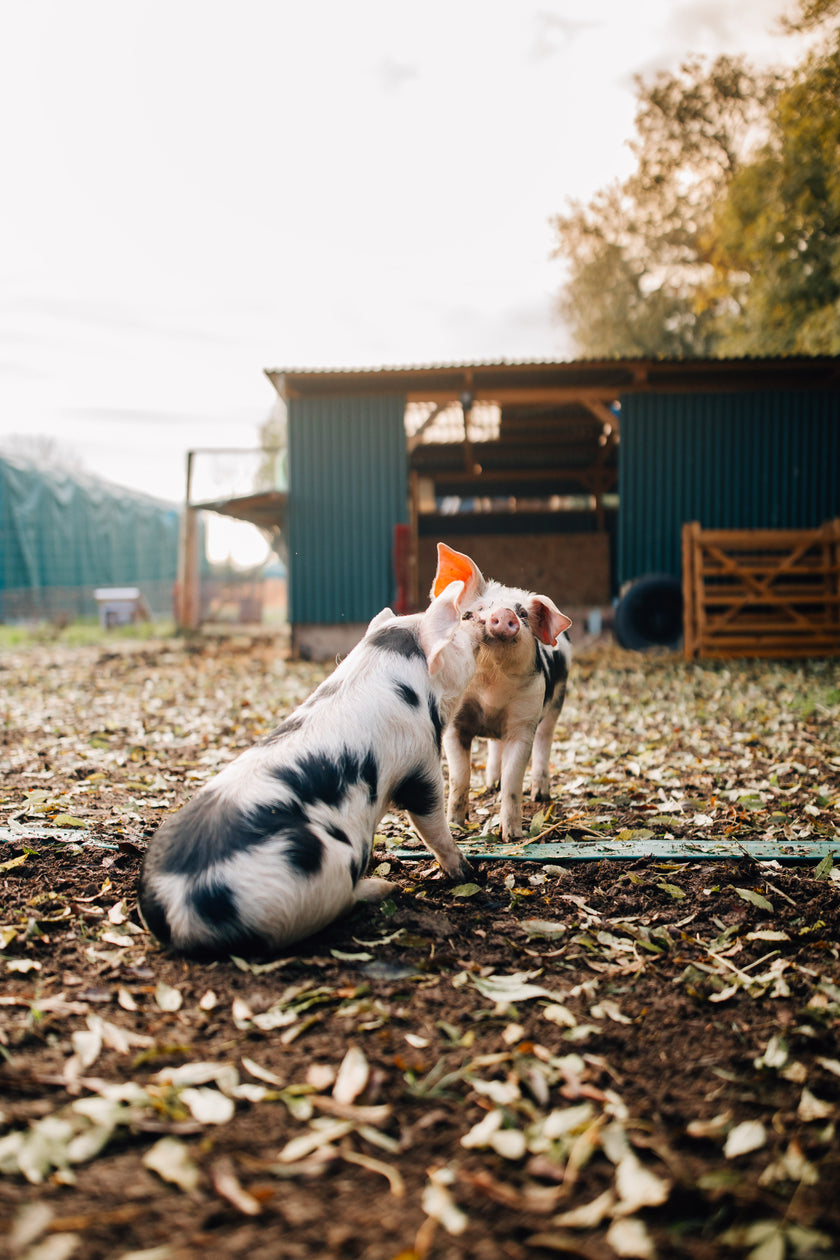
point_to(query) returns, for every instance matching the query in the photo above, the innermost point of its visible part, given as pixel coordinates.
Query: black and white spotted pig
(516, 693)
(274, 847)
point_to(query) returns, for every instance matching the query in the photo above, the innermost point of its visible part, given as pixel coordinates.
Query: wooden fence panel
(761, 592)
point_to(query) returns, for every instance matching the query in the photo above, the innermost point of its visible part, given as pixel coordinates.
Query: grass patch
(81, 633)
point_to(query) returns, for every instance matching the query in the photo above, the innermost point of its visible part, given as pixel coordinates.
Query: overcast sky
(195, 190)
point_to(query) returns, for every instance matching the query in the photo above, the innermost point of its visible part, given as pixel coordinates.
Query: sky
(195, 190)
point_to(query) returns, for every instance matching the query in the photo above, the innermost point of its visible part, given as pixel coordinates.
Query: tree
(776, 232)
(640, 274)
(809, 14)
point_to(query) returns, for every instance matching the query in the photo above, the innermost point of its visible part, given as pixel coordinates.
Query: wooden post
(188, 602)
(414, 539)
(692, 589)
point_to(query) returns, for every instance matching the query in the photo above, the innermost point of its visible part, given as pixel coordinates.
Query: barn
(574, 478)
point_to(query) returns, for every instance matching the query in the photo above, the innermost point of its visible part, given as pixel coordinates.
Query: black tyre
(650, 613)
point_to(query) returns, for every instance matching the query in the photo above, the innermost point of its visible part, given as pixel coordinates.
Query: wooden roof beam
(510, 395)
(601, 412)
(595, 477)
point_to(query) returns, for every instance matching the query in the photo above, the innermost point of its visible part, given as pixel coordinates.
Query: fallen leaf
(824, 868)
(544, 927)
(224, 1075)
(226, 1184)
(755, 899)
(509, 1143)
(126, 1001)
(607, 1009)
(792, 1166)
(637, 1186)
(56, 1247)
(775, 1055)
(12, 863)
(172, 1162)
(748, 1136)
(167, 998)
(588, 1215)
(713, 1128)
(813, 1108)
(480, 1134)
(438, 1203)
(30, 1222)
(263, 1074)
(323, 1135)
(673, 891)
(391, 1174)
(630, 1238)
(506, 990)
(208, 1106)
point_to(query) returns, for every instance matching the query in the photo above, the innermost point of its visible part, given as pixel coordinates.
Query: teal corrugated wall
(348, 488)
(768, 460)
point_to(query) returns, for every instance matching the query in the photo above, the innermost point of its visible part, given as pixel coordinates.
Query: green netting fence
(63, 535)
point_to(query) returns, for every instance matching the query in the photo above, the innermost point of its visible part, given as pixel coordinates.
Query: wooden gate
(761, 592)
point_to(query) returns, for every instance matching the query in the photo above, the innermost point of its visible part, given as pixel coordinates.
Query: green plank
(527, 851)
(597, 850)
(24, 833)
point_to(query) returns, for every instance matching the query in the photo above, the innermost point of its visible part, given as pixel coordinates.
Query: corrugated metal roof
(604, 378)
(460, 365)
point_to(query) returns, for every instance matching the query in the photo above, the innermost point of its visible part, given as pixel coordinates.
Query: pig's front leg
(433, 830)
(458, 761)
(516, 749)
(373, 889)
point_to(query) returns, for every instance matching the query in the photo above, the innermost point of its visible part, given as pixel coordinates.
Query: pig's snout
(503, 624)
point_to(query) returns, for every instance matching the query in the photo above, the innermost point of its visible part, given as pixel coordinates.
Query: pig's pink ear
(546, 619)
(380, 619)
(452, 566)
(440, 621)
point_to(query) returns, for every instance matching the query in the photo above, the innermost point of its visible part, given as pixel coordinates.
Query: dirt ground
(593, 1059)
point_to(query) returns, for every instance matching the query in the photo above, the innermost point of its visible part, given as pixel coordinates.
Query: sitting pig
(516, 693)
(273, 848)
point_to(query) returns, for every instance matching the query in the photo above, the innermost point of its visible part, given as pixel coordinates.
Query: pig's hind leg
(458, 762)
(540, 777)
(493, 768)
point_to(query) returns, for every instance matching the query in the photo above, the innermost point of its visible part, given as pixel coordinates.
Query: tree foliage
(776, 235)
(724, 239)
(637, 254)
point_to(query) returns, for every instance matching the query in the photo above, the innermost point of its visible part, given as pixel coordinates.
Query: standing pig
(273, 848)
(516, 693)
